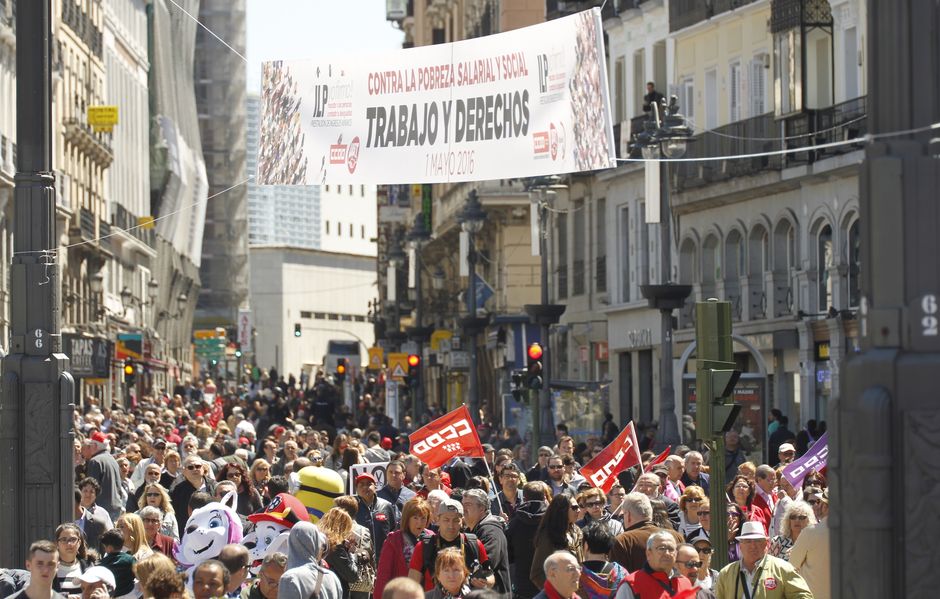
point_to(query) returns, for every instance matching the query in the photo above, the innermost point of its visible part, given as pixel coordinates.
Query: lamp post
(666, 136)
(472, 219)
(545, 315)
(417, 237)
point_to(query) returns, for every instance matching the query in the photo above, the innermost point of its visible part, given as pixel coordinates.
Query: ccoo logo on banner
(452, 435)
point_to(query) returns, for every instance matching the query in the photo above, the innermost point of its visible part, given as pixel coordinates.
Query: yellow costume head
(318, 488)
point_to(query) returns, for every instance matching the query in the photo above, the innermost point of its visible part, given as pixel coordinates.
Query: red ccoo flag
(450, 436)
(623, 453)
(659, 459)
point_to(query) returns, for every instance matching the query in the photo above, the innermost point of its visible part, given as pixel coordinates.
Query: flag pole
(499, 503)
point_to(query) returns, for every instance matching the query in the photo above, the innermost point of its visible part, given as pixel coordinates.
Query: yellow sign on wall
(145, 222)
(102, 118)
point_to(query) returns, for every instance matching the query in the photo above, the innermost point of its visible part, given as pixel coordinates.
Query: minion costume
(318, 488)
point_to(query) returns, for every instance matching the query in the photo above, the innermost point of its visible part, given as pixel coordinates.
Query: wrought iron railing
(813, 127)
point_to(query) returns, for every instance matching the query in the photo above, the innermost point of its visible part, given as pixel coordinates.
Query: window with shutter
(758, 84)
(734, 91)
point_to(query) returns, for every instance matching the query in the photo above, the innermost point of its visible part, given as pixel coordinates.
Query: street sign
(102, 118)
(244, 330)
(215, 333)
(398, 365)
(376, 356)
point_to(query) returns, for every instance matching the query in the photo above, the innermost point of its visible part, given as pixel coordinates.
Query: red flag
(450, 436)
(659, 459)
(623, 453)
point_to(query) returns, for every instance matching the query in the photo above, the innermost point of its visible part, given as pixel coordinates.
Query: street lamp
(471, 219)
(667, 136)
(417, 237)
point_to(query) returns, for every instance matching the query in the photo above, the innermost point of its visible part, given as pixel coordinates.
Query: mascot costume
(272, 528)
(318, 488)
(207, 531)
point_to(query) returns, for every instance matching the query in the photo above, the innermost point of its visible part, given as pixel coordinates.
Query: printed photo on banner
(529, 102)
(376, 469)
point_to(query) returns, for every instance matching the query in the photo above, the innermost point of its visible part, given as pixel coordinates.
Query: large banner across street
(524, 103)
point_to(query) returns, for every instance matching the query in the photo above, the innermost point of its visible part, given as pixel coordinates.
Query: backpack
(471, 553)
(603, 584)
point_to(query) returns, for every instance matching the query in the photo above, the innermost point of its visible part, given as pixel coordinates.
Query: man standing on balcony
(652, 97)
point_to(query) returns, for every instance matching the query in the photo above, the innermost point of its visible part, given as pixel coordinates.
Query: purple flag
(815, 458)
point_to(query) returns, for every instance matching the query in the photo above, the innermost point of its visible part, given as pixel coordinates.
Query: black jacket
(520, 537)
(179, 498)
(379, 518)
(492, 533)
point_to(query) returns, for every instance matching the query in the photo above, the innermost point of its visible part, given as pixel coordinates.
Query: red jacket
(761, 511)
(392, 562)
(648, 584)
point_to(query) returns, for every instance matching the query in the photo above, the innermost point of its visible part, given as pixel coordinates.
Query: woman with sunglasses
(259, 475)
(73, 558)
(558, 531)
(156, 496)
(249, 499)
(594, 509)
(689, 503)
(799, 517)
(706, 576)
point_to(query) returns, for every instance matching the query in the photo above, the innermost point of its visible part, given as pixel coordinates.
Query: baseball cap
(786, 447)
(365, 476)
(449, 505)
(698, 536)
(488, 448)
(97, 574)
(100, 439)
(386, 443)
(159, 444)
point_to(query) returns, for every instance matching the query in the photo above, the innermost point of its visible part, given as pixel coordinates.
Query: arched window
(784, 247)
(854, 256)
(758, 251)
(711, 263)
(735, 264)
(825, 259)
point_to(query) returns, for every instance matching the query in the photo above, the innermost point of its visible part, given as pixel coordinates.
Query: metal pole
(37, 479)
(668, 432)
(473, 399)
(417, 398)
(542, 418)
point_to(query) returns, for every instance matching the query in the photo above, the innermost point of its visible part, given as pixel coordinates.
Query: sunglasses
(704, 513)
(556, 467)
(575, 508)
(194, 467)
(153, 495)
(594, 504)
(798, 517)
(691, 564)
(693, 500)
(705, 550)
(154, 520)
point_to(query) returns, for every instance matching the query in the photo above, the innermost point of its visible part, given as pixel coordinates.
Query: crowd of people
(496, 526)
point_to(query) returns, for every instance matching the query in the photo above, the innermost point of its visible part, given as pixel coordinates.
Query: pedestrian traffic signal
(297, 329)
(238, 353)
(534, 367)
(341, 368)
(413, 378)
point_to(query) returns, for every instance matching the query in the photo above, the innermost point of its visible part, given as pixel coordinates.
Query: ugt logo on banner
(450, 436)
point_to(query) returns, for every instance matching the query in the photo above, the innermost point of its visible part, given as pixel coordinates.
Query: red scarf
(553, 594)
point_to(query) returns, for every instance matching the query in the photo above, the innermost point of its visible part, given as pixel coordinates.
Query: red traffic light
(535, 351)
(414, 360)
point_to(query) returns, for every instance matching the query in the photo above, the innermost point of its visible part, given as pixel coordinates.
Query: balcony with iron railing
(555, 9)
(122, 219)
(685, 13)
(84, 27)
(96, 144)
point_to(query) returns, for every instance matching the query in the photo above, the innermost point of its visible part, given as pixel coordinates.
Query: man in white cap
(97, 583)
(101, 466)
(786, 453)
(758, 575)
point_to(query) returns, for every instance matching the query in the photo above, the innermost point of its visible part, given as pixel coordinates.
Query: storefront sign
(638, 338)
(89, 357)
(528, 102)
(601, 352)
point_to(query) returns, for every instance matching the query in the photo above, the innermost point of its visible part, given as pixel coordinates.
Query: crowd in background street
(500, 525)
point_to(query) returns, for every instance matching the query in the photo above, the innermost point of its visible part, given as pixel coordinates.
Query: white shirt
(749, 576)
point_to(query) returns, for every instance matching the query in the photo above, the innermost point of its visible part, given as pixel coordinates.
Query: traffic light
(238, 352)
(534, 367)
(519, 391)
(341, 367)
(716, 376)
(413, 378)
(130, 374)
(296, 329)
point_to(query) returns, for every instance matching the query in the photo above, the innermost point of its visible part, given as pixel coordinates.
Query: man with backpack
(450, 521)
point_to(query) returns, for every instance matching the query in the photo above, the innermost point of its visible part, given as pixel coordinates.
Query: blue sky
(285, 29)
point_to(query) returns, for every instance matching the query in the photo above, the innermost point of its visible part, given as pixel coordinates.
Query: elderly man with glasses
(656, 579)
(195, 478)
(757, 574)
(539, 471)
(690, 565)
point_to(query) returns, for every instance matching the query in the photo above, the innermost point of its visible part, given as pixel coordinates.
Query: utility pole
(714, 383)
(37, 478)
(885, 428)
